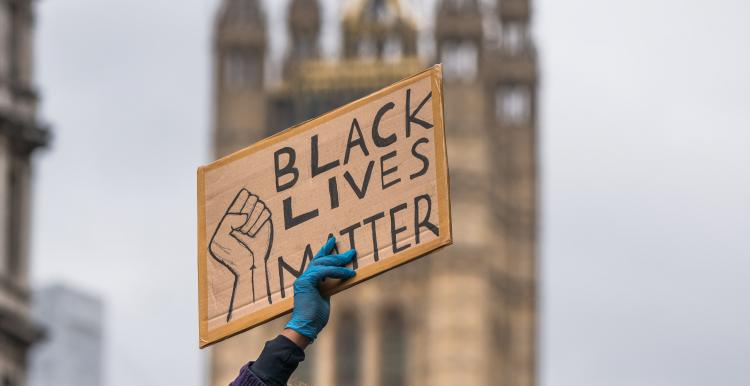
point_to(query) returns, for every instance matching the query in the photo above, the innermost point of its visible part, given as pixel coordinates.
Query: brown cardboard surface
(367, 173)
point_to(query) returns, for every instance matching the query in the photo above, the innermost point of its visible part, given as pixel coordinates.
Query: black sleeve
(278, 361)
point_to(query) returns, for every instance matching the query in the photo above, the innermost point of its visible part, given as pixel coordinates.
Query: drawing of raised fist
(242, 243)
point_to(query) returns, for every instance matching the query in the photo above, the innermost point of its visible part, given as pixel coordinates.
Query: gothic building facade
(465, 315)
(20, 135)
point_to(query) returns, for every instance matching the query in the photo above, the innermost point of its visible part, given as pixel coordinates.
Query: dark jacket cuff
(247, 378)
(278, 361)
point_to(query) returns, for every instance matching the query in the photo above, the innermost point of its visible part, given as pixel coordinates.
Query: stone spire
(379, 29)
(239, 68)
(304, 27)
(459, 38)
(241, 12)
(241, 22)
(514, 17)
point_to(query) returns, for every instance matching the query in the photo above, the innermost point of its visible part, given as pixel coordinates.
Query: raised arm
(282, 355)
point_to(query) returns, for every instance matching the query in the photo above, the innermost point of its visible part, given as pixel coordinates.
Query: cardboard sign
(373, 173)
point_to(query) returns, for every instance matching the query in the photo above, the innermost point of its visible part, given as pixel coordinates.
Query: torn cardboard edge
(283, 307)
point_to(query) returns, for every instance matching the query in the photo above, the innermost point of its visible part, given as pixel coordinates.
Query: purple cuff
(247, 378)
(274, 366)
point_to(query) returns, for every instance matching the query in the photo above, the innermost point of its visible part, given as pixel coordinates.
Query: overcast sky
(644, 157)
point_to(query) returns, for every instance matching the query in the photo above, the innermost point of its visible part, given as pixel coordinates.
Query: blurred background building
(466, 315)
(20, 134)
(71, 354)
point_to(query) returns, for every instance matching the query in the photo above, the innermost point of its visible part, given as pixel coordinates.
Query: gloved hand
(311, 309)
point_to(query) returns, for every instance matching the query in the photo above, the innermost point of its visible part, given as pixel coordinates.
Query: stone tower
(459, 284)
(239, 62)
(304, 34)
(21, 134)
(379, 29)
(511, 82)
(465, 315)
(459, 39)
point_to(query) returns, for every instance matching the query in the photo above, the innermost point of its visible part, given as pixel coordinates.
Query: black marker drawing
(244, 233)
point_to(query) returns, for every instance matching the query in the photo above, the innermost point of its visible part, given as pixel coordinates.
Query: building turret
(514, 17)
(379, 29)
(239, 68)
(304, 30)
(458, 35)
(511, 78)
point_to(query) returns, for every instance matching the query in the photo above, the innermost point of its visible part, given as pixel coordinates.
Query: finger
(337, 260)
(326, 248)
(333, 272)
(249, 204)
(254, 215)
(264, 217)
(239, 201)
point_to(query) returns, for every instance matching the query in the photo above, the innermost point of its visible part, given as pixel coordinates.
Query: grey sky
(645, 253)
(647, 217)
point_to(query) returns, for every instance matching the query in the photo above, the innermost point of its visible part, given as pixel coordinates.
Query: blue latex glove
(311, 309)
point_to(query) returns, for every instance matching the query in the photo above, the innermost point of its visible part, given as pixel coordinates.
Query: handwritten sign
(372, 173)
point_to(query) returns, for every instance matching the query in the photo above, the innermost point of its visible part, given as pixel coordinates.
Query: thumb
(233, 221)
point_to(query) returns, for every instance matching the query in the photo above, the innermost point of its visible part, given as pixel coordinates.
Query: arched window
(379, 12)
(515, 37)
(393, 348)
(241, 69)
(460, 60)
(393, 49)
(513, 104)
(305, 46)
(368, 48)
(348, 351)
